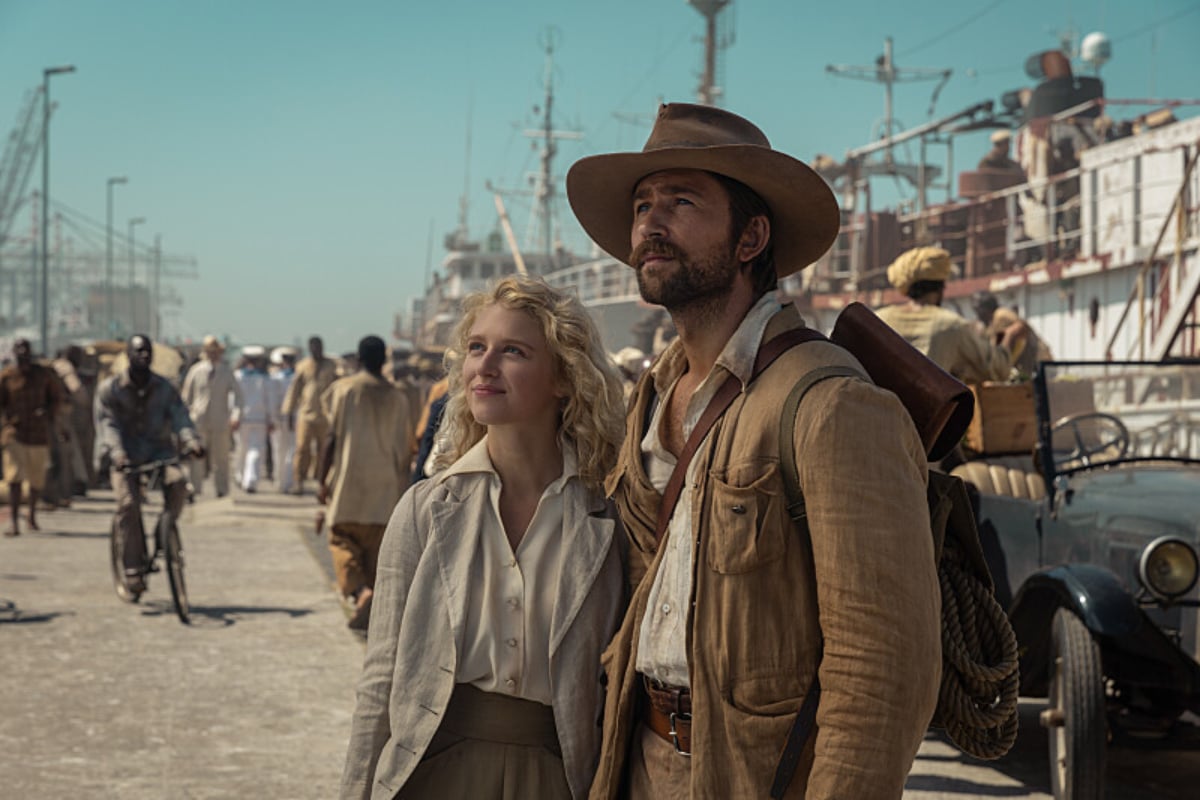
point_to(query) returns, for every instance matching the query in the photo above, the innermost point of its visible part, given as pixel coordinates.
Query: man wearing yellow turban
(948, 339)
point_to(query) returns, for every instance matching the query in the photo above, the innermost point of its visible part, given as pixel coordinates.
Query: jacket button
(739, 509)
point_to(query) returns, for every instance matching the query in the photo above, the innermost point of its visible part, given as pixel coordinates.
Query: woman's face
(508, 371)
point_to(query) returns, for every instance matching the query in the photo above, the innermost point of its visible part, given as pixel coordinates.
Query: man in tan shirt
(364, 469)
(212, 395)
(735, 618)
(950, 341)
(302, 408)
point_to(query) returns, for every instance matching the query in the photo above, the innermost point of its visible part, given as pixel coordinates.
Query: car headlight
(1168, 567)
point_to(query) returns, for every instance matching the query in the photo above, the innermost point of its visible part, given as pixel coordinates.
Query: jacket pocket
(746, 527)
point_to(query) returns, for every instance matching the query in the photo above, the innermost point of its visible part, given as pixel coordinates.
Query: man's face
(316, 347)
(140, 353)
(682, 247)
(23, 353)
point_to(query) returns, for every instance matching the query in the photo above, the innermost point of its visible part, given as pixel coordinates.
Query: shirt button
(511, 642)
(512, 563)
(666, 608)
(514, 602)
(511, 684)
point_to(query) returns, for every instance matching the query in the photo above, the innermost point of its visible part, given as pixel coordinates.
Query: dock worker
(998, 158)
(30, 399)
(365, 468)
(302, 408)
(212, 394)
(949, 340)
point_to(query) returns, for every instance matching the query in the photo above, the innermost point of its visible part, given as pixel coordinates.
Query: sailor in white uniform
(283, 438)
(256, 417)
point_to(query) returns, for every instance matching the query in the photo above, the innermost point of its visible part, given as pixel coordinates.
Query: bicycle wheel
(172, 548)
(116, 542)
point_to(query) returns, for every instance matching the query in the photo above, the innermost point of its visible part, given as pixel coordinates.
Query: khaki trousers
(656, 771)
(355, 550)
(310, 437)
(493, 746)
(216, 443)
(129, 511)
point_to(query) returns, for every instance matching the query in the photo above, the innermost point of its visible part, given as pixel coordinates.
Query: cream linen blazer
(419, 611)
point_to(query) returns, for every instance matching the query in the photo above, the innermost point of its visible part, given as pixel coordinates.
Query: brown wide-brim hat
(805, 217)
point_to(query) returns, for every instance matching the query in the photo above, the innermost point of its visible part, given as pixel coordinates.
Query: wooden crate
(1005, 420)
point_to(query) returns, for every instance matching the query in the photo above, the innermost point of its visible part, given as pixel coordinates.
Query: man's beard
(703, 283)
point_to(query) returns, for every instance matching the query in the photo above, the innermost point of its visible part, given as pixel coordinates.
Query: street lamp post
(45, 297)
(132, 315)
(108, 261)
(156, 318)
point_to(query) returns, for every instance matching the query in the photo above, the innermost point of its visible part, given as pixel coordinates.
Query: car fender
(1096, 595)
(1093, 593)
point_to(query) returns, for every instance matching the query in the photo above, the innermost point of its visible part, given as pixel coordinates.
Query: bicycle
(167, 545)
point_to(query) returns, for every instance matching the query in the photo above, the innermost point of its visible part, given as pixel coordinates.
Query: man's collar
(739, 352)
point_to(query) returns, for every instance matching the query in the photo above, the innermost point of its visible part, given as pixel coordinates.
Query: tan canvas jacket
(757, 620)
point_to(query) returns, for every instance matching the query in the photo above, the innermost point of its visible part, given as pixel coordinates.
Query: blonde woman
(500, 578)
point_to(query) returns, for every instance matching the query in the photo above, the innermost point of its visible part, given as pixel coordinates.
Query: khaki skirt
(491, 747)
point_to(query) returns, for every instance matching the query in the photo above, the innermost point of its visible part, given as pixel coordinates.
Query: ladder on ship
(1166, 293)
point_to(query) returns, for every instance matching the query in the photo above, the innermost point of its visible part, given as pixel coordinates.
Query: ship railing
(1166, 298)
(1035, 222)
(599, 281)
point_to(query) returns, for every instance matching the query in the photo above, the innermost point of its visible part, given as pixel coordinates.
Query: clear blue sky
(302, 150)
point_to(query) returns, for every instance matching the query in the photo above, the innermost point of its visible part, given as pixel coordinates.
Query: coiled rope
(977, 701)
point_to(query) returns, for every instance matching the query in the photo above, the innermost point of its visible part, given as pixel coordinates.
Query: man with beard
(29, 400)
(139, 417)
(734, 621)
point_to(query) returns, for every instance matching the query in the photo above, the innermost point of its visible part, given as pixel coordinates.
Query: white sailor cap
(280, 353)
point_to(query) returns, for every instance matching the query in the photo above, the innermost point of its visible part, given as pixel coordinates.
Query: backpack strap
(724, 397)
(787, 453)
(789, 759)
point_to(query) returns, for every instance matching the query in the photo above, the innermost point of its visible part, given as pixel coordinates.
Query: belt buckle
(675, 733)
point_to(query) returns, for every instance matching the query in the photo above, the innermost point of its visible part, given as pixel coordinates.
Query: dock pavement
(106, 699)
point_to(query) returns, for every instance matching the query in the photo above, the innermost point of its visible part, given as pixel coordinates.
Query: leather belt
(667, 710)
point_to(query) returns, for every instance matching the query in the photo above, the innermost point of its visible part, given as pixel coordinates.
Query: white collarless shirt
(662, 641)
(511, 596)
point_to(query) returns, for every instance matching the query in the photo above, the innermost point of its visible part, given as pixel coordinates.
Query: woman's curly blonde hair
(593, 417)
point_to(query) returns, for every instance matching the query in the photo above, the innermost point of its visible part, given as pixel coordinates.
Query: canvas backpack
(977, 699)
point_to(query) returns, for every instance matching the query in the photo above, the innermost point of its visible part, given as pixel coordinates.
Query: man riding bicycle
(140, 417)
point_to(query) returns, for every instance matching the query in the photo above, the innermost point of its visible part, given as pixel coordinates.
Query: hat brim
(804, 211)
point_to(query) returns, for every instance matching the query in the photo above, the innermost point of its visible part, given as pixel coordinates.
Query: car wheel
(1076, 719)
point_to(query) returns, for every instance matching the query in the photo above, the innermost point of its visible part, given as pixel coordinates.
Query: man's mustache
(653, 247)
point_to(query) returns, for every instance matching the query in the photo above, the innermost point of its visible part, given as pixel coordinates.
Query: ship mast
(541, 223)
(885, 71)
(708, 92)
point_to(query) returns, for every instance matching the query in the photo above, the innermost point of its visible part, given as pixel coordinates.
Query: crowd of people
(577, 578)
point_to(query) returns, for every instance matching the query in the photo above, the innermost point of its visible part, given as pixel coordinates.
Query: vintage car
(1098, 535)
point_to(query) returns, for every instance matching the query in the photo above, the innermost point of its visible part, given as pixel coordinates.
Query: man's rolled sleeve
(863, 473)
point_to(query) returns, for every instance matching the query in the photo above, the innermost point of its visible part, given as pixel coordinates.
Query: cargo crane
(16, 165)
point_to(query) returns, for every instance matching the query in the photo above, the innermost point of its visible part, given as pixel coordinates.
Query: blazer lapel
(587, 540)
(455, 536)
